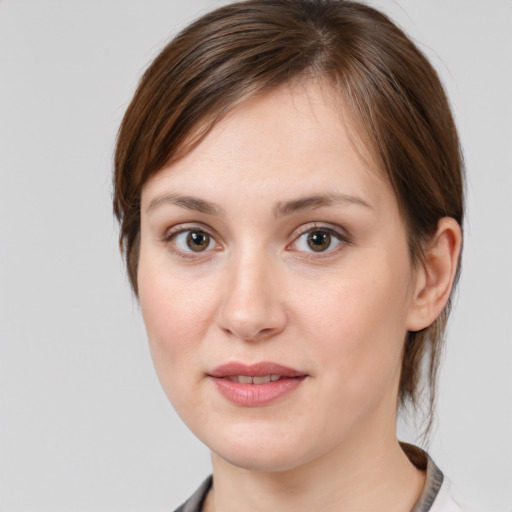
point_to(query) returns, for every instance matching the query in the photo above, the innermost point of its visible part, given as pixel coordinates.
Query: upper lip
(254, 370)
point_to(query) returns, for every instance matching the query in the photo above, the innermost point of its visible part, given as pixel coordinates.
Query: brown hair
(385, 82)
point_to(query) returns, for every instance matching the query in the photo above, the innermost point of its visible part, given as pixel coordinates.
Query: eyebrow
(281, 209)
(309, 203)
(188, 202)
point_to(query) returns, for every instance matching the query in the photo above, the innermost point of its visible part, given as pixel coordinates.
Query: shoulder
(449, 499)
(439, 494)
(447, 496)
(195, 502)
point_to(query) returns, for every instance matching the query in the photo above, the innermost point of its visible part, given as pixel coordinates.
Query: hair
(384, 81)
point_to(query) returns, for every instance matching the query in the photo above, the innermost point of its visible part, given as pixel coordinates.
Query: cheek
(175, 324)
(358, 321)
(177, 317)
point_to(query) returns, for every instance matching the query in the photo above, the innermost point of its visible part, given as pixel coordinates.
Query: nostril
(252, 328)
(251, 308)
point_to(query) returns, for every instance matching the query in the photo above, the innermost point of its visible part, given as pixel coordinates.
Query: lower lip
(255, 395)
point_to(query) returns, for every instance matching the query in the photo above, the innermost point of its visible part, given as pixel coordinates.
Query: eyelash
(170, 240)
(338, 237)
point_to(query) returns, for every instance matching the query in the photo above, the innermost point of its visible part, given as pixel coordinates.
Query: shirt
(437, 494)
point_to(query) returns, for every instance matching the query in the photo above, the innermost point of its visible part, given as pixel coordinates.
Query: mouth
(257, 384)
(247, 379)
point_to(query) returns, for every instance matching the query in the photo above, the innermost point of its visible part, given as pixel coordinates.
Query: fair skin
(273, 242)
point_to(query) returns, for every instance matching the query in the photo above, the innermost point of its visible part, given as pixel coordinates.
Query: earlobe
(435, 277)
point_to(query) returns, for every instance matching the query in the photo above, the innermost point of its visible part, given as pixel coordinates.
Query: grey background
(84, 425)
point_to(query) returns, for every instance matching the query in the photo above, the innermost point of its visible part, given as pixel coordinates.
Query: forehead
(289, 139)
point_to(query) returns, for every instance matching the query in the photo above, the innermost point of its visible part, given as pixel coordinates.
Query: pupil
(198, 241)
(319, 240)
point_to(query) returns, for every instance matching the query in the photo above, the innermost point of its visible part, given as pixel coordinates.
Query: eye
(319, 240)
(192, 240)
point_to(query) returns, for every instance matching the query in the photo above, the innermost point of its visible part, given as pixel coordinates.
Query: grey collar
(434, 477)
(420, 458)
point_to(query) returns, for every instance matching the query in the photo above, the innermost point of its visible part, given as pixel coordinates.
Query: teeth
(246, 379)
(261, 380)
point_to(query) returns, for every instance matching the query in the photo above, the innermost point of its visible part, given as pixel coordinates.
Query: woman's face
(271, 251)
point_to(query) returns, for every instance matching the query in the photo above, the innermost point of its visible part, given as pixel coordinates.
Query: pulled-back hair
(386, 84)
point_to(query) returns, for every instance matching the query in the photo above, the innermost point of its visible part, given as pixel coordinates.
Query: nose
(252, 309)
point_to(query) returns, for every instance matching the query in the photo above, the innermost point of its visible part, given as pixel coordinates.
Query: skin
(258, 292)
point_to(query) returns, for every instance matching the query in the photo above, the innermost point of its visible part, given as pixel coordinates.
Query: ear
(435, 276)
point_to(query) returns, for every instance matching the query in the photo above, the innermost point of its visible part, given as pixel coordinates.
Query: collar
(420, 458)
(433, 479)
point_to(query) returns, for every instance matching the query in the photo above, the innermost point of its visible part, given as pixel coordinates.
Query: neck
(356, 476)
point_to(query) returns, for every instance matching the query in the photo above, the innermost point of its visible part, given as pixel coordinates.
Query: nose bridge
(252, 308)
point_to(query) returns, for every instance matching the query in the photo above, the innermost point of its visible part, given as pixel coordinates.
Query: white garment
(448, 500)
(438, 495)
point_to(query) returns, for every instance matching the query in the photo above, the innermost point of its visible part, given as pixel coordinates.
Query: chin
(260, 460)
(255, 450)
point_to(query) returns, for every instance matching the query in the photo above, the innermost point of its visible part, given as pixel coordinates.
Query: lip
(254, 370)
(255, 395)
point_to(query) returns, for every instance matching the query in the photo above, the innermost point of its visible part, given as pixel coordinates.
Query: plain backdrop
(84, 425)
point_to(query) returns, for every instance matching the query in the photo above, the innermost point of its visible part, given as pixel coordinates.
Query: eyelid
(339, 233)
(174, 231)
(326, 226)
(190, 226)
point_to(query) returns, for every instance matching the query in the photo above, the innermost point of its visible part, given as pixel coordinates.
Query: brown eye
(322, 241)
(192, 243)
(319, 241)
(198, 241)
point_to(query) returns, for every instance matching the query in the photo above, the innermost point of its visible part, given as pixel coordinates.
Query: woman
(289, 185)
